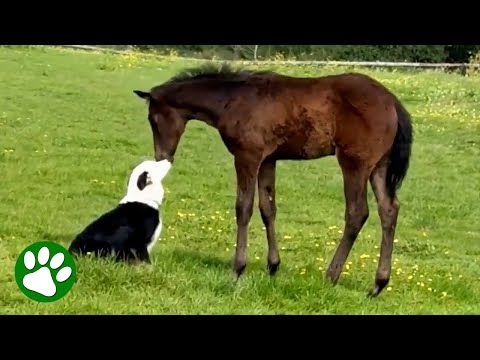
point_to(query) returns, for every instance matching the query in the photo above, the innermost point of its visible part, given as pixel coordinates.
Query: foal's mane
(221, 71)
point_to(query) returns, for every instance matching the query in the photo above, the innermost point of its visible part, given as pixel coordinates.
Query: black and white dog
(129, 231)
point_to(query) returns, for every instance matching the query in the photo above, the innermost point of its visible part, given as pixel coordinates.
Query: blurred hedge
(414, 53)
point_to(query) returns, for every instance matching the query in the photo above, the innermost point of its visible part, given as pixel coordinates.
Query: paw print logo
(45, 271)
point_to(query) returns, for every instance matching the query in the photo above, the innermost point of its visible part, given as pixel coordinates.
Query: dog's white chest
(155, 236)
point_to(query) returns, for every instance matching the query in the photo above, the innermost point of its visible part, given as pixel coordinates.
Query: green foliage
(410, 53)
(474, 60)
(461, 53)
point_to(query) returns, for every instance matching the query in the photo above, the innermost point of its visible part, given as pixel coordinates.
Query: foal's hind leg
(355, 179)
(388, 208)
(268, 210)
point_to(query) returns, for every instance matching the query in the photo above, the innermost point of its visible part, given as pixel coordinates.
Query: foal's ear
(142, 94)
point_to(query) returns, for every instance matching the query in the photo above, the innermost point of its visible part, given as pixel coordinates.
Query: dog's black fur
(123, 233)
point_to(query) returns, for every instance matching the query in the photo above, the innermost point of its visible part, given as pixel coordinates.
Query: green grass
(71, 130)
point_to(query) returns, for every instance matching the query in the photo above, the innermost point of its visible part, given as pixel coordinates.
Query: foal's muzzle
(164, 156)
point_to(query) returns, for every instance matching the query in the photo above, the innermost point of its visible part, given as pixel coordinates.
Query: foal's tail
(401, 150)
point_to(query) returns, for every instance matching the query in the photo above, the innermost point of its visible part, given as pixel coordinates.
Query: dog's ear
(142, 94)
(143, 180)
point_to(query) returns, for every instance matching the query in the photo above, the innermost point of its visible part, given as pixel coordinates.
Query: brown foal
(263, 117)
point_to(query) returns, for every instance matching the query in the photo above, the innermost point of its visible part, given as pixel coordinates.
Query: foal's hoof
(272, 267)
(373, 293)
(332, 276)
(238, 269)
(378, 287)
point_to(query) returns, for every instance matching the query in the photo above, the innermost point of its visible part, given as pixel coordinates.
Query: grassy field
(71, 130)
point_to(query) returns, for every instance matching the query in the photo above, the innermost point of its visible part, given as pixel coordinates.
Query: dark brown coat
(263, 117)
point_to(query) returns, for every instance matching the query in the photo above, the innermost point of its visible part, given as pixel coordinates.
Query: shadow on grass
(183, 256)
(198, 258)
(353, 284)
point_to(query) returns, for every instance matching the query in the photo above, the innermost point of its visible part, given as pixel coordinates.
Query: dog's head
(145, 182)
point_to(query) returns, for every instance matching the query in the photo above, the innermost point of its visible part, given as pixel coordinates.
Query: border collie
(129, 231)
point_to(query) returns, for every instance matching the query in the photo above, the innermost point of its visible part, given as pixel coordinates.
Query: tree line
(410, 53)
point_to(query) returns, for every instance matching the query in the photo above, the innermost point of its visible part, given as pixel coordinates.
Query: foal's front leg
(247, 170)
(268, 210)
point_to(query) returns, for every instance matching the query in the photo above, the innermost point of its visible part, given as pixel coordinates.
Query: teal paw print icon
(45, 271)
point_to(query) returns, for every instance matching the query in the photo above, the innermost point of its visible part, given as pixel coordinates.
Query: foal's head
(196, 93)
(167, 124)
